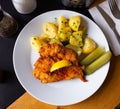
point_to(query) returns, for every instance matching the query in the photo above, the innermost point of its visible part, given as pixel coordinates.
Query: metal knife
(110, 22)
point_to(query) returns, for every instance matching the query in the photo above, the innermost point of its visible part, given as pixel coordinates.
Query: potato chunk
(50, 29)
(64, 34)
(45, 38)
(89, 45)
(62, 22)
(64, 31)
(36, 43)
(76, 39)
(55, 41)
(74, 22)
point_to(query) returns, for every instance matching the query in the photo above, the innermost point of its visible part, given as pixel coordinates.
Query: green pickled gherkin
(95, 65)
(92, 56)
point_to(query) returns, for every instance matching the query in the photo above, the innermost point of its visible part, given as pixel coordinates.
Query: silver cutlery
(114, 8)
(110, 22)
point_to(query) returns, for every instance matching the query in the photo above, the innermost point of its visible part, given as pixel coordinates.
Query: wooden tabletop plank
(26, 101)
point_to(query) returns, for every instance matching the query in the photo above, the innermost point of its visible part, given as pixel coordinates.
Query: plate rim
(15, 54)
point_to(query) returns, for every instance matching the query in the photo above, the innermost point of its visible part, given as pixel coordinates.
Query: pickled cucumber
(102, 60)
(92, 56)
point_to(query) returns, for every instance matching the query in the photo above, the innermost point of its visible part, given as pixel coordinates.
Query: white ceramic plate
(57, 93)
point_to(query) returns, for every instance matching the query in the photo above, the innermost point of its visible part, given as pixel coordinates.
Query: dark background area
(10, 88)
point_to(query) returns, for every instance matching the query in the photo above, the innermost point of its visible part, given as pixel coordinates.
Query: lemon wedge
(60, 64)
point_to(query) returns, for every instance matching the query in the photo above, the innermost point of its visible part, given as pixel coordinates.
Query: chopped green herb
(78, 22)
(73, 23)
(34, 38)
(46, 29)
(75, 26)
(55, 18)
(65, 23)
(72, 36)
(65, 42)
(60, 31)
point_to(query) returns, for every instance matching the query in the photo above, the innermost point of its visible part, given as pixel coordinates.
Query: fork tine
(115, 4)
(114, 8)
(111, 4)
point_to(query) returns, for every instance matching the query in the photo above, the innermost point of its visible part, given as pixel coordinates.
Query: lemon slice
(60, 64)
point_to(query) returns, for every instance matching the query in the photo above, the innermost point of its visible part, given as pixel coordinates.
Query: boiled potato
(55, 41)
(64, 31)
(50, 29)
(76, 39)
(64, 34)
(36, 43)
(62, 22)
(89, 45)
(74, 22)
(45, 38)
(83, 27)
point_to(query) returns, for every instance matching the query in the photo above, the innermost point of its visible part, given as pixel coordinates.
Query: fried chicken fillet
(60, 52)
(51, 53)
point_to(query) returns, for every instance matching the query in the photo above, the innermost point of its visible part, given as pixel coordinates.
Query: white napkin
(100, 21)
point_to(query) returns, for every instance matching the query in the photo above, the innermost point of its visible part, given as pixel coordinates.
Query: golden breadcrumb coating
(51, 53)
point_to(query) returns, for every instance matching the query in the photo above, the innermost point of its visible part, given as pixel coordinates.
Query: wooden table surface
(107, 97)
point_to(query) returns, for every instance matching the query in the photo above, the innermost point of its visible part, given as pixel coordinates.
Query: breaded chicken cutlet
(60, 52)
(52, 53)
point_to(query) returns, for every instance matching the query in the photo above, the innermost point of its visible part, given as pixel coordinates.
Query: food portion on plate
(56, 63)
(66, 51)
(88, 62)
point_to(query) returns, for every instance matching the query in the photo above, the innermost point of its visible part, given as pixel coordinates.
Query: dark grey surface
(10, 88)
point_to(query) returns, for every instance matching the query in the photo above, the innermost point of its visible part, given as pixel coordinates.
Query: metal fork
(114, 8)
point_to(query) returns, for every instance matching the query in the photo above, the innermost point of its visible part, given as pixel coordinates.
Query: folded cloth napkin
(113, 42)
